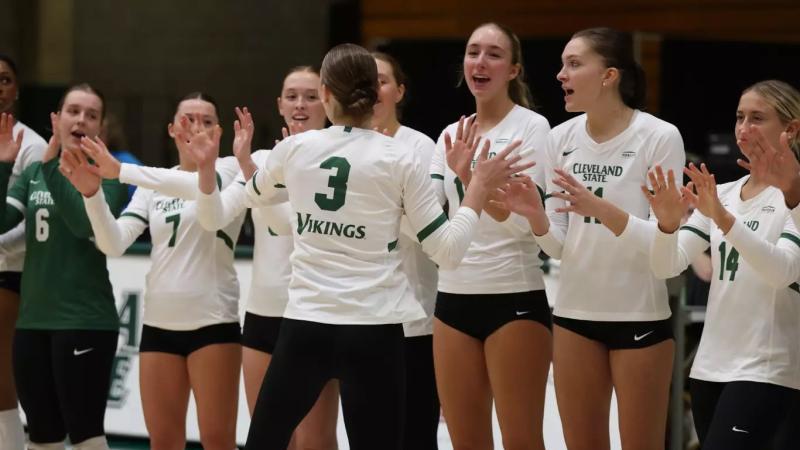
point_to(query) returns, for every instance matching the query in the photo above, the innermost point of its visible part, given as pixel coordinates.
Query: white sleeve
(535, 143)
(174, 183)
(113, 236)
(444, 241)
(552, 242)
(215, 211)
(779, 263)
(795, 213)
(278, 218)
(437, 170)
(671, 254)
(267, 187)
(13, 241)
(228, 171)
(670, 155)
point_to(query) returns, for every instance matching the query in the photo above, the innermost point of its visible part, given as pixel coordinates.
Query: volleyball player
(12, 256)
(492, 338)
(66, 333)
(348, 187)
(611, 315)
(422, 400)
(746, 374)
(191, 336)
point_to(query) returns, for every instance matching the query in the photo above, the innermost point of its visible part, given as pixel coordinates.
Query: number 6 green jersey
(65, 281)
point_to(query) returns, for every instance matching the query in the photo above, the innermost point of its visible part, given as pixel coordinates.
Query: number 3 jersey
(192, 282)
(752, 330)
(348, 188)
(606, 277)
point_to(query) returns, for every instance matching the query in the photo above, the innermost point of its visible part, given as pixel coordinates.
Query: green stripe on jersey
(271, 233)
(348, 129)
(134, 215)
(243, 183)
(795, 287)
(392, 245)
(219, 180)
(253, 180)
(696, 231)
(225, 238)
(433, 226)
(280, 186)
(791, 237)
(436, 176)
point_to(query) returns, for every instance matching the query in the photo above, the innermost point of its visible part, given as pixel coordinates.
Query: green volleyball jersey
(65, 281)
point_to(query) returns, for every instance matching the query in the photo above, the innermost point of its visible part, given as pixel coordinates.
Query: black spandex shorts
(11, 281)
(261, 332)
(184, 343)
(480, 315)
(619, 335)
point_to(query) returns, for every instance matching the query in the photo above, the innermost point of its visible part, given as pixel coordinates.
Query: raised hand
(202, 145)
(461, 151)
(580, 200)
(522, 196)
(243, 129)
(9, 146)
(77, 170)
(702, 194)
(293, 129)
(666, 200)
(775, 166)
(54, 144)
(105, 164)
(496, 172)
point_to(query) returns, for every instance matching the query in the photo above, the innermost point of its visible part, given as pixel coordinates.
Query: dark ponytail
(616, 49)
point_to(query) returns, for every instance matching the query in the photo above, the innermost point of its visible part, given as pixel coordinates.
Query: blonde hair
(786, 101)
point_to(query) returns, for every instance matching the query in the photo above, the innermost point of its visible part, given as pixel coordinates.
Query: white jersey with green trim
(422, 273)
(269, 288)
(604, 277)
(503, 257)
(751, 329)
(348, 189)
(192, 282)
(12, 243)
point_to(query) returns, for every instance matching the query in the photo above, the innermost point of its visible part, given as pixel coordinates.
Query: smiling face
(488, 66)
(582, 75)
(81, 115)
(300, 103)
(389, 93)
(8, 87)
(754, 110)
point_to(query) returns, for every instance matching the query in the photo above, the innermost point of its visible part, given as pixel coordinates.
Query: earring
(604, 84)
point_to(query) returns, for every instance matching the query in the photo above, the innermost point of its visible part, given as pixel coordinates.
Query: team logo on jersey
(168, 206)
(128, 348)
(40, 198)
(596, 172)
(628, 154)
(329, 228)
(768, 209)
(567, 153)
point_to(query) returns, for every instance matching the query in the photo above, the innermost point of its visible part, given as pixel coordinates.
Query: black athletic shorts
(261, 332)
(184, 343)
(619, 335)
(11, 281)
(480, 315)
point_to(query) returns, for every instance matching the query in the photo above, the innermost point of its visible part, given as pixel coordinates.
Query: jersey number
(598, 192)
(42, 227)
(338, 182)
(176, 221)
(730, 264)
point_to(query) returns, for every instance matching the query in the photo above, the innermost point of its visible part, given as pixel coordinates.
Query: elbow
(113, 251)
(208, 223)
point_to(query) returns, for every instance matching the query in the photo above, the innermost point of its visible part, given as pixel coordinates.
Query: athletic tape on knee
(12, 434)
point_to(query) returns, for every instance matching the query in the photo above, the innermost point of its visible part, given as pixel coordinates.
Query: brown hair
(616, 49)
(85, 87)
(198, 95)
(786, 101)
(518, 90)
(350, 72)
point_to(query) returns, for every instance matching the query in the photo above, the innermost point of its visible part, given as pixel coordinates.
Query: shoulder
(416, 138)
(529, 117)
(569, 126)
(651, 125)
(725, 189)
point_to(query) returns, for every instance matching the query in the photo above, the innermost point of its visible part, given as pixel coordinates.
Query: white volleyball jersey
(348, 188)
(269, 288)
(192, 282)
(751, 329)
(32, 150)
(422, 273)
(606, 277)
(504, 256)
